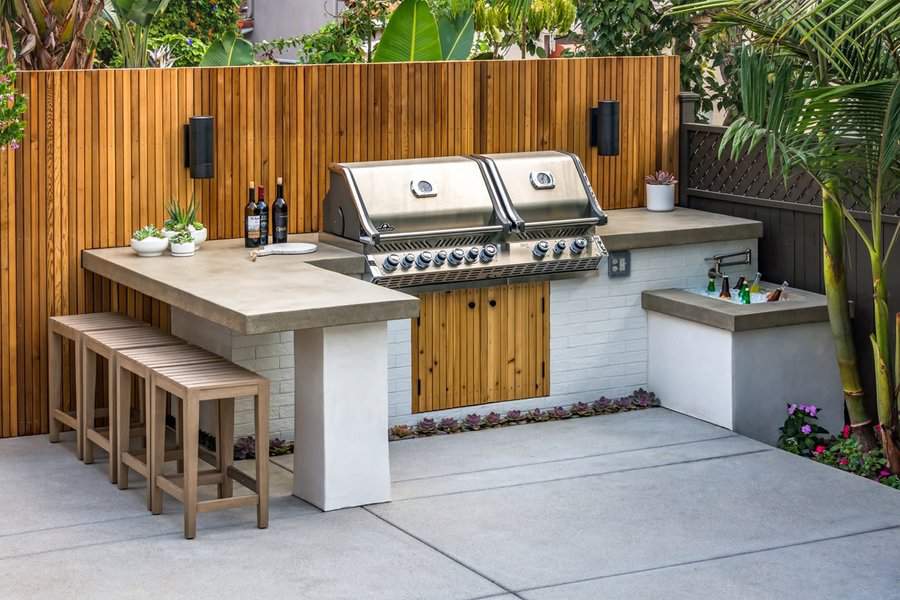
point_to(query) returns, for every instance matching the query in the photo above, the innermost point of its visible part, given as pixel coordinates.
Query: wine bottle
(754, 287)
(263, 216)
(279, 215)
(251, 219)
(740, 283)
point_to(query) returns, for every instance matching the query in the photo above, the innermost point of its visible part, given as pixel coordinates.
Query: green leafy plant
(801, 434)
(181, 218)
(230, 50)
(12, 109)
(148, 231)
(129, 22)
(182, 50)
(411, 34)
(182, 237)
(505, 23)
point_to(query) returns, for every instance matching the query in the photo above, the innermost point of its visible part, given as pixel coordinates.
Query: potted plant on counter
(660, 191)
(184, 219)
(149, 241)
(182, 244)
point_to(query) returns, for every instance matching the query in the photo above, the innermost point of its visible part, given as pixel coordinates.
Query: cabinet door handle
(493, 303)
(471, 305)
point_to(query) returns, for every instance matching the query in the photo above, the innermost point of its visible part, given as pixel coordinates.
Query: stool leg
(113, 420)
(79, 398)
(262, 456)
(89, 383)
(157, 446)
(225, 445)
(147, 402)
(190, 409)
(54, 356)
(178, 413)
(123, 426)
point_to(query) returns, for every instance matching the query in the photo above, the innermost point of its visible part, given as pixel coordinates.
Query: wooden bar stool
(221, 382)
(141, 362)
(107, 344)
(71, 327)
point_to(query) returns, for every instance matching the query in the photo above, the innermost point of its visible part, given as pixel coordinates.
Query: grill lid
(403, 199)
(540, 190)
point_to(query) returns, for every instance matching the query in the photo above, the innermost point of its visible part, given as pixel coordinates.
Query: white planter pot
(151, 246)
(186, 249)
(660, 198)
(199, 235)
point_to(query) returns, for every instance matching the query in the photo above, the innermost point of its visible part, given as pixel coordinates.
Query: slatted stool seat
(71, 327)
(140, 362)
(221, 382)
(107, 344)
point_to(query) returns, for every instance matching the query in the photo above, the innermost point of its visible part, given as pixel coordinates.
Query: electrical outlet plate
(619, 263)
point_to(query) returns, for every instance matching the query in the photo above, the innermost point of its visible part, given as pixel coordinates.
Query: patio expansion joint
(588, 475)
(447, 555)
(568, 459)
(711, 559)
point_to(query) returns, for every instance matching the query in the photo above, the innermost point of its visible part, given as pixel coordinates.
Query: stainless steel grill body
(443, 222)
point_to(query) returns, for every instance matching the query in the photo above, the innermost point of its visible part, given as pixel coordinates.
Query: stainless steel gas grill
(464, 220)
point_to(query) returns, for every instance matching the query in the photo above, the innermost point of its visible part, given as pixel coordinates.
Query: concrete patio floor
(649, 504)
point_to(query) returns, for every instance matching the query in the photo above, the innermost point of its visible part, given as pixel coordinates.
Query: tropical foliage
(821, 93)
(44, 34)
(12, 109)
(504, 24)
(129, 22)
(422, 30)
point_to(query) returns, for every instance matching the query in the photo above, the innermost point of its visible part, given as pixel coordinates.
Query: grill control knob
(488, 253)
(440, 258)
(391, 262)
(578, 246)
(541, 249)
(472, 254)
(407, 261)
(423, 259)
(559, 248)
(456, 257)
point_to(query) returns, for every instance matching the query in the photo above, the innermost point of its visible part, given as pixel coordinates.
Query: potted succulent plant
(660, 191)
(149, 241)
(182, 244)
(184, 219)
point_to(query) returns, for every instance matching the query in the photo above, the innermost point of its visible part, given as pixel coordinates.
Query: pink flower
(811, 410)
(878, 428)
(806, 429)
(844, 461)
(792, 408)
(819, 449)
(845, 432)
(884, 473)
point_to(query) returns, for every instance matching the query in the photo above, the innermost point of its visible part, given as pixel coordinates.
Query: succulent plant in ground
(280, 447)
(516, 416)
(537, 415)
(426, 426)
(402, 431)
(450, 425)
(582, 409)
(644, 399)
(623, 404)
(245, 448)
(602, 405)
(472, 422)
(560, 412)
(493, 419)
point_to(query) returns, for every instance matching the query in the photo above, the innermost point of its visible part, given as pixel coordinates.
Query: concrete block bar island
(501, 325)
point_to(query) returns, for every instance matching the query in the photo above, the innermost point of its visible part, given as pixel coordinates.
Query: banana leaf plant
(411, 34)
(45, 34)
(129, 21)
(230, 50)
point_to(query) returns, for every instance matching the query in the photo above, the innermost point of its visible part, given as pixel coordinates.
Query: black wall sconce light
(199, 147)
(605, 127)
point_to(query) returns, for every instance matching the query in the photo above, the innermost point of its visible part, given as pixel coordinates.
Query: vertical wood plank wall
(103, 154)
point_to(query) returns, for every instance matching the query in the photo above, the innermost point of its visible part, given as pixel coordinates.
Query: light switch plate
(619, 263)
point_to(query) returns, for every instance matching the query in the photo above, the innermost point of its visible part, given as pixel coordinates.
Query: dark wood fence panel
(791, 247)
(103, 154)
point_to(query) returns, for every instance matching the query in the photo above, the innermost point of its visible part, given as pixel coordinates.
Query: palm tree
(45, 34)
(822, 93)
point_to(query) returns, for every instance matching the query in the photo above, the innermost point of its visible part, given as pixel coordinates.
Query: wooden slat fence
(103, 155)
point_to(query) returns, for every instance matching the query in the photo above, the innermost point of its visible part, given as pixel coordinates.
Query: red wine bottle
(263, 215)
(279, 215)
(251, 219)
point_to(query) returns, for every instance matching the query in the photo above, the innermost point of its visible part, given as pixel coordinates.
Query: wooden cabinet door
(475, 346)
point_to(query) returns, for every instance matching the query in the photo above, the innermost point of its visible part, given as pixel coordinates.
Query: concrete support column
(341, 413)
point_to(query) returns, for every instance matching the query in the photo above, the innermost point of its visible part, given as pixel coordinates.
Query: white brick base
(598, 339)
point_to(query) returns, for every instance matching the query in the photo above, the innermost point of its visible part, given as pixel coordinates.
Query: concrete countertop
(634, 228)
(800, 307)
(276, 293)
